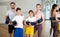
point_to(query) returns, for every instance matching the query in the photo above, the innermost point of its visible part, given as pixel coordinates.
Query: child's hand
(30, 24)
(37, 24)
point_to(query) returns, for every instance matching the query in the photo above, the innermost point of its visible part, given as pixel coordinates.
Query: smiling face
(38, 7)
(19, 12)
(12, 6)
(31, 14)
(56, 9)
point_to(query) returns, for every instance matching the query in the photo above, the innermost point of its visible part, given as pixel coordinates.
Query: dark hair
(31, 11)
(38, 4)
(12, 3)
(18, 9)
(53, 7)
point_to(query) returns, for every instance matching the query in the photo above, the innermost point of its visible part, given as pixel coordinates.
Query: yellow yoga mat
(59, 27)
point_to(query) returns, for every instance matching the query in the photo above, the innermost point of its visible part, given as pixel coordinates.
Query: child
(30, 26)
(18, 28)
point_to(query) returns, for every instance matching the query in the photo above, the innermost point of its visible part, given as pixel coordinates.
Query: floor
(45, 31)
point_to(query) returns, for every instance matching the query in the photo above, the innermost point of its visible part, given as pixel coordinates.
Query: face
(12, 6)
(38, 7)
(31, 14)
(56, 9)
(19, 12)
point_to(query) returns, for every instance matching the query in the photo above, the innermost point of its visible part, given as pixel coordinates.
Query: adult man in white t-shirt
(11, 13)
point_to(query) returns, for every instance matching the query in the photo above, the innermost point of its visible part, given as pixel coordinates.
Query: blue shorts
(18, 32)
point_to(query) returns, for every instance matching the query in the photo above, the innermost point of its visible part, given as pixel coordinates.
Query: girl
(30, 22)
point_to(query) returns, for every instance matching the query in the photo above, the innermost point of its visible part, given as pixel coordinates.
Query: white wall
(26, 5)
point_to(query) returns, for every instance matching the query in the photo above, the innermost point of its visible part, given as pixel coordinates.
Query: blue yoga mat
(7, 20)
(40, 20)
(58, 18)
(52, 18)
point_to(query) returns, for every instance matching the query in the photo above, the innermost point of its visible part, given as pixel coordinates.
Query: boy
(18, 28)
(30, 22)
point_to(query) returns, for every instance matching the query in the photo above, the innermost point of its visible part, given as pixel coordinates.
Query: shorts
(18, 32)
(29, 30)
(59, 27)
(10, 28)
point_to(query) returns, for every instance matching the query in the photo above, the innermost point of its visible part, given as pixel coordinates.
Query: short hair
(31, 11)
(18, 9)
(38, 4)
(12, 3)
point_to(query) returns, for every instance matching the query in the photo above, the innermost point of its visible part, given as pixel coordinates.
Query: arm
(24, 22)
(43, 19)
(57, 18)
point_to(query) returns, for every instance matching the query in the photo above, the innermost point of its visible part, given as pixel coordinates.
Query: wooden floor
(45, 31)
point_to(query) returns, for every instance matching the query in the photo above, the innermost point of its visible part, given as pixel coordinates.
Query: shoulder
(22, 16)
(27, 18)
(9, 11)
(42, 13)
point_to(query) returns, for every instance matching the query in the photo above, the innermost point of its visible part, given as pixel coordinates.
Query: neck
(31, 16)
(12, 9)
(38, 11)
(19, 14)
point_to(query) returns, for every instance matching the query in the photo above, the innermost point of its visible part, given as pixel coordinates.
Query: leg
(27, 29)
(27, 35)
(35, 28)
(16, 32)
(31, 35)
(39, 30)
(55, 30)
(55, 33)
(51, 30)
(10, 35)
(31, 31)
(21, 33)
(10, 30)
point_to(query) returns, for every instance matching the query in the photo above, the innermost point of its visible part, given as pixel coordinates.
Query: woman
(54, 23)
(39, 16)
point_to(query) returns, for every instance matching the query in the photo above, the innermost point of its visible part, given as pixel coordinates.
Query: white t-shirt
(31, 19)
(19, 19)
(11, 14)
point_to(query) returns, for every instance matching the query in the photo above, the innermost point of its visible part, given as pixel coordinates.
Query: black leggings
(54, 25)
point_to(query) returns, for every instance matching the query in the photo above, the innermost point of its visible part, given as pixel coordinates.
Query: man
(11, 13)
